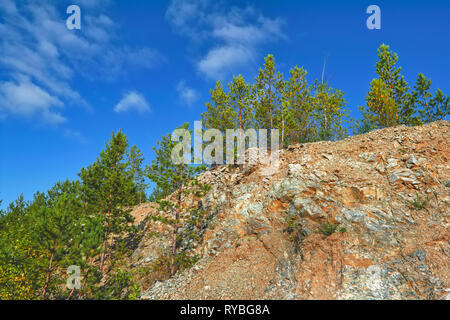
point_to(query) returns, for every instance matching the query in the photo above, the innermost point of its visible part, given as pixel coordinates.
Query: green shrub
(419, 203)
(295, 230)
(119, 286)
(327, 228)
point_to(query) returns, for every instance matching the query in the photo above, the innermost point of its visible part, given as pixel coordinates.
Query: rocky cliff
(362, 218)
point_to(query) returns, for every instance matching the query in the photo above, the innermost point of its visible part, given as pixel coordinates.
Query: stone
(412, 162)
(391, 163)
(326, 225)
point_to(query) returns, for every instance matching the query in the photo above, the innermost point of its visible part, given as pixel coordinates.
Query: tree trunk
(240, 132)
(177, 215)
(270, 104)
(428, 108)
(47, 279)
(82, 286)
(282, 127)
(240, 119)
(102, 257)
(84, 281)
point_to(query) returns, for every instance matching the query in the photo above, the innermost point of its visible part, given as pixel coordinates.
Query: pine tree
(430, 108)
(85, 247)
(266, 94)
(296, 108)
(382, 111)
(398, 88)
(173, 181)
(55, 217)
(160, 172)
(329, 112)
(109, 188)
(219, 114)
(388, 100)
(21, 264)
(69, 225)
(440, 106)
(239, 99)
(136, 159)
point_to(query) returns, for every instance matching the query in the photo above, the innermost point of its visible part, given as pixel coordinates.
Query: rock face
(362, 218)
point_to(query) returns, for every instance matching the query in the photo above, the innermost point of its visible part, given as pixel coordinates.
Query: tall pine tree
(388, 100)
(329, 112)
(173, 181)
(267, 94)
(297, 108)
(219, 114)
(239, 99)
(109, 188)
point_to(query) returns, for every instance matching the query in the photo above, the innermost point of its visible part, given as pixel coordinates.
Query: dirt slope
(385, 194)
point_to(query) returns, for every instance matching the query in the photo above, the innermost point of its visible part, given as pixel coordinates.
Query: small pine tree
(440, 106)
(161, 171)
(430, 108)
(135, 160)
(382, 110)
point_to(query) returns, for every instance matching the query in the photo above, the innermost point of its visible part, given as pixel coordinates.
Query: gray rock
(288, 187)
(391, 163)
(353, 215)
(412, 161)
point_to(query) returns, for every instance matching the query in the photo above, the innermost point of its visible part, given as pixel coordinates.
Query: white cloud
(218, 62)
(187, 94)
(25, 99)
(237, 33)
(35, 44)
(189, 17)
(132, 101)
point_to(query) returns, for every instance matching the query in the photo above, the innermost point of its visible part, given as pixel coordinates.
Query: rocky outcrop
(362, 218)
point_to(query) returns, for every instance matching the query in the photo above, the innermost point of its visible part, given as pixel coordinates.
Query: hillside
(362, 218)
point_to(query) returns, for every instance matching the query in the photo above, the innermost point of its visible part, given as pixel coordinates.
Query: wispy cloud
(75, 135)
(41, 56)
(220, 61)
(132, 101)
(24, 99)
(237, 34)
(92, 3)
(187, 94)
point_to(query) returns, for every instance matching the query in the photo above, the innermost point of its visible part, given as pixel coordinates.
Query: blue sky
(147, 66)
